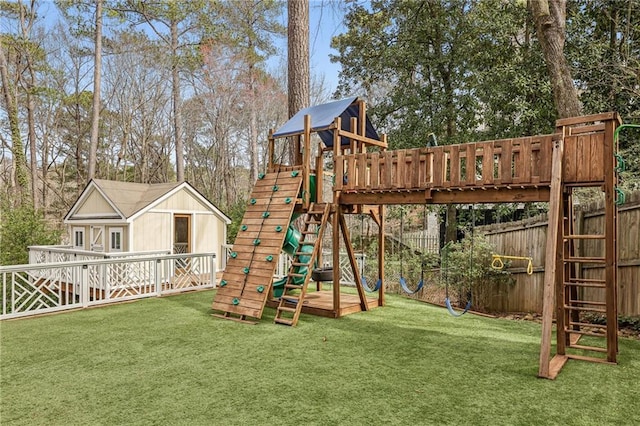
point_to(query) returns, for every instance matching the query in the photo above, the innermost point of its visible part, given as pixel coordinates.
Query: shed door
(181, 233)
(97, 238)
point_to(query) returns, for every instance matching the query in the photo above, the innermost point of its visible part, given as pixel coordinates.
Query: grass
(167, 361)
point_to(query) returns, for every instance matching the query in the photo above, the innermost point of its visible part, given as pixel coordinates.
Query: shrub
(21, 227)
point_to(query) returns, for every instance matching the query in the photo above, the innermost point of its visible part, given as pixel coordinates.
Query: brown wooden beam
(455, 196)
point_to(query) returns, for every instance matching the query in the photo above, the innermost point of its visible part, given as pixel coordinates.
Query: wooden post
(381, 277)
(335, 221)
(270, 151)
(610, 232)
(555, 206)
(306, 163)
(354, 264)
(335, 224)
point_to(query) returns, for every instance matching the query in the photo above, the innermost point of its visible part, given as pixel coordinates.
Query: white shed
(111, 216)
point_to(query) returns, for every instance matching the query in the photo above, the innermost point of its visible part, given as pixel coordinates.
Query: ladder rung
(588, 348)
(308, 232)
(286, 309)
(584, 237)
(582, 308)
(284, 321)
(294, 275)
(586, 280)
(584, 302)
(292, 286)
(588, 358)
(585, 333)
(585, 260)
(582, 324)
(306, 243)
(299, 264)
(579, 284)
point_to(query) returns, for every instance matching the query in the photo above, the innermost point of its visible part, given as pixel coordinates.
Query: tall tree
(95, 106)
(297, 59)
(550, 20)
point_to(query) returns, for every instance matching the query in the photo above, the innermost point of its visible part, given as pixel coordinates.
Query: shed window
(78, 238)
(115, 238)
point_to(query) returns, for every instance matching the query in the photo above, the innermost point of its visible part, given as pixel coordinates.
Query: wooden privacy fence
(528, 238)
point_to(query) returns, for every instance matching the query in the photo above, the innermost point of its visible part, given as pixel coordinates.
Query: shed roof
(130, 199)
(322, 116)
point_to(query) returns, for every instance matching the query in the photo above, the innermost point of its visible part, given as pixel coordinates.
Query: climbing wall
(247, 279)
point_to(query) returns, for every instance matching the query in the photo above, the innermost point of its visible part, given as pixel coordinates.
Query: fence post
(212, 270)
(158, 279)
(84, 286)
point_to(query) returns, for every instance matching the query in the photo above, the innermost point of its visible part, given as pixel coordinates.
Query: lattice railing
(34, 289)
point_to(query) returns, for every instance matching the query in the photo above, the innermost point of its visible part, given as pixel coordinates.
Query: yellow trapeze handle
(497, 263)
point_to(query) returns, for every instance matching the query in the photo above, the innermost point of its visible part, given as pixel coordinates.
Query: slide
(290, 246)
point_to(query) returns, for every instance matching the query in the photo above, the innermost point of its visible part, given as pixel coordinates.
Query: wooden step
(294, 275)
(292, 286)
(284, 321)
(286, 309)
(588, 348)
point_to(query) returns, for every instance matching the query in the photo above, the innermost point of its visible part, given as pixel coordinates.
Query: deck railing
(35, 289)
(510, 162)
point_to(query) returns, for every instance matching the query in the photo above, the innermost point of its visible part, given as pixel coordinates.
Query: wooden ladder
(585, 289)
(290, 306)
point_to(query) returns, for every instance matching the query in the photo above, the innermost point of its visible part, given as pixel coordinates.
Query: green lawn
(167, 361)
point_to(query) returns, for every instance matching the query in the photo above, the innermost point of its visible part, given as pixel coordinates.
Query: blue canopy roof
(322, 116)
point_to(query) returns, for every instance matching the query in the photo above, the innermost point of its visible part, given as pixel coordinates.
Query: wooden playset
(366, 177)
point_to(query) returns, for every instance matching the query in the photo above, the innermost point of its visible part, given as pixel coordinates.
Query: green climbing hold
(244, 227)
(245, 270)
(233, 254)
(278, 228)
(275, 188)
(236, 301)
(269, 258)
(261, 176)
(256, 242)
(253, 201)
(287, 200)
(266, 215)
(223, 283)
(295, 173)
(260, 288)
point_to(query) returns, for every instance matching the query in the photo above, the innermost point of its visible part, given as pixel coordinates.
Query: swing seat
(406, 289)
(453, 311)
(363, 280)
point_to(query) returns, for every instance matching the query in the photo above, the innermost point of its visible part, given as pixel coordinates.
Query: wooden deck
(320, 303)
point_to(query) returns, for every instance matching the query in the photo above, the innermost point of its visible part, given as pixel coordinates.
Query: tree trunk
(17, 148)
(298, 60)
(177, 107)
(550, 16)
(95, 109)
(253, 131)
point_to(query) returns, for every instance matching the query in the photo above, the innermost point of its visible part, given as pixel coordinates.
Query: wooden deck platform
(320, 303)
